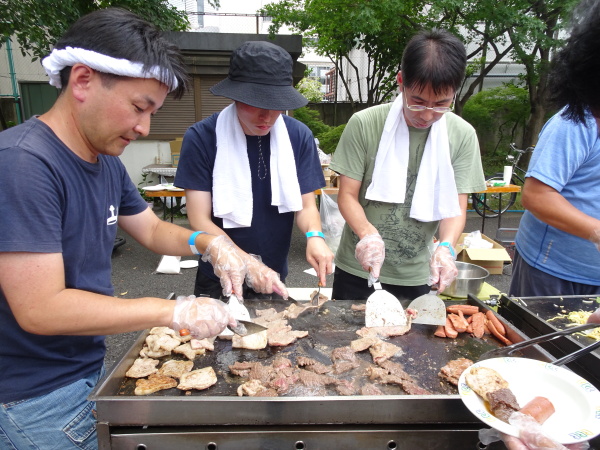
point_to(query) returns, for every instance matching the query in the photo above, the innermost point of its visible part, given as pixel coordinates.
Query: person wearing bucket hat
(249, 170)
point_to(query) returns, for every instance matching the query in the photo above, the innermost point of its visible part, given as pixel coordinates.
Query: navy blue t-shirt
(55, 202)
(270, 233)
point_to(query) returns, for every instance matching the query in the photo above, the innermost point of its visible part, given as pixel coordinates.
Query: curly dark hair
(575, 71)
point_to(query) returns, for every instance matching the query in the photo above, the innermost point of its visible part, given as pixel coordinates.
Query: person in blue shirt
(558, 241)
(249, 171)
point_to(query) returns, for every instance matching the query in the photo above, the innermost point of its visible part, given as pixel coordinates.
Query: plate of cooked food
(566, 405)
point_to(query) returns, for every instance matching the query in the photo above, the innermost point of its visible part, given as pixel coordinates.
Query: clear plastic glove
(370, 253)
(531, 436)
(263, 279)
(204, 317)
(442, 269)
(228, 263)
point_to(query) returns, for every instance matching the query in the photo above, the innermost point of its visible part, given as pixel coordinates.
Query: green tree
(527, 31)
(311, 89)
(37, 24)
(334, 28)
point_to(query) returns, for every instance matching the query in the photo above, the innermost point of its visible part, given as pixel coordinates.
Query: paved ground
(134, 273)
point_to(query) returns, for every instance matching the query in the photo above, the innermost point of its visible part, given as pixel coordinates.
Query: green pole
(13, 80)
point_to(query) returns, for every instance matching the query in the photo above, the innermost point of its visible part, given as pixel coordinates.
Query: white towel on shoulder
(232, 181)
(435, 196)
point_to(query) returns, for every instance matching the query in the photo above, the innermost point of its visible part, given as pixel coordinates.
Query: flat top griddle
(335, 326)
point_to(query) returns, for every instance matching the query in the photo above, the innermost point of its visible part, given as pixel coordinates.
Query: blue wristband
(449, 245)
(315, 234)
(192, 242)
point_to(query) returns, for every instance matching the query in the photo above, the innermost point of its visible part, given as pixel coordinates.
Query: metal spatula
(382, 308)
(431, 309)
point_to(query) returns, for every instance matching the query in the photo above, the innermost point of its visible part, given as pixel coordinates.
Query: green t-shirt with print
(406, 239)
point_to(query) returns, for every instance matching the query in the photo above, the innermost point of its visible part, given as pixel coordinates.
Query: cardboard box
(175, 150)
(491, 259)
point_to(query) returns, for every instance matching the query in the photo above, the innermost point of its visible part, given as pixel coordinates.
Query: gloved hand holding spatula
(370, 253)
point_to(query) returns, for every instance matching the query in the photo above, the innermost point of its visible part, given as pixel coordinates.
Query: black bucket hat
(260, 75)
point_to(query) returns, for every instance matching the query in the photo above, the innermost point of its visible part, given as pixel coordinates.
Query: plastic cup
(507, 175)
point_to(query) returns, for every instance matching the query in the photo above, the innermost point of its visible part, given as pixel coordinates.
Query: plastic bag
(332, 222)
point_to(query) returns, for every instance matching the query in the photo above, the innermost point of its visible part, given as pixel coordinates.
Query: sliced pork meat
(370, 389)
(382, 351)
(384, 332)
(254, 388)
(312, 379)
(358, 345)
(283, 338)
(313, 365)
(451, 372)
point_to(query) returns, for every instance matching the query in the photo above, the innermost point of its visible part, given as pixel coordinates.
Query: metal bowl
(469, 280)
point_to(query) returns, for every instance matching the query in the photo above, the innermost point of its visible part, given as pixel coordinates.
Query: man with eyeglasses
(407, 168)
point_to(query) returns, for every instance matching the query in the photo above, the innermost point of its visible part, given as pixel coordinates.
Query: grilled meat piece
(256, 341)
(154, 383)
(312, 379)
(175, 368)
(283, 338)
(187, 350)
(484, 380)
(502, 403)
(370, 389)
(358, 345)
(382, 351)
(398, 376)
(452, 371)
(384, 332)
(254, 388)
(344, 359)
(142, 367)
(198, 379)
(312, 365)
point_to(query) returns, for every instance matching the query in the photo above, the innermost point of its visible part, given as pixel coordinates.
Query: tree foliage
(311, 89)
(526, 31)
(334, 28)
(38, 24)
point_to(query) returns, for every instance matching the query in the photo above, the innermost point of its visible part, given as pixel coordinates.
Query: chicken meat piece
(206, 343)
(484, 380)
(198, 379)
(452, 371)
(145, 352)
(187, 350)
(382, 351)
(165, 330)
(175, 368)
(162, 342)
(154, 383)
(251, 388)
(256, 341)
(142, 367)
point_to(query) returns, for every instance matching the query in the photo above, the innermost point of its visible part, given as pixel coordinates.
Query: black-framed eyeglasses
(437, 109)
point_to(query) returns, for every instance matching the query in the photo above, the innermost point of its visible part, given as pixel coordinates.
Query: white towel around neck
(232, 180)
(435, 196)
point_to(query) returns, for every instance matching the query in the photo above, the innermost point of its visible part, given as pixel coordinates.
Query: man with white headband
(56, 296)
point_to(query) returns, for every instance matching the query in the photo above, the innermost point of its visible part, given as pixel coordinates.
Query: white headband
(59, 59)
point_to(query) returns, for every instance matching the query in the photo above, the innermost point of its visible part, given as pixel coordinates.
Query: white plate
(173, 188)
(158, 187)
(576, 401)
(188, 263)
